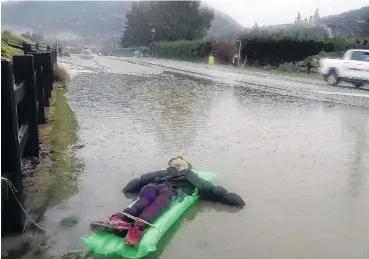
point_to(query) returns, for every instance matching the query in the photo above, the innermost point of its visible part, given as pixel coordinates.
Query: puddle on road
(339, 93)
(300, 165)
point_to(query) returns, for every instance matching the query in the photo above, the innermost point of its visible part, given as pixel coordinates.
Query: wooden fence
(309, 68)
(26, 85)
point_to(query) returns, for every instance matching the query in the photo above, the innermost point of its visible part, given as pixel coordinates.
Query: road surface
(296, 150)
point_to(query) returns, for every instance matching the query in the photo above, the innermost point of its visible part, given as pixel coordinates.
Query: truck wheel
(332, 78)
(358, 85)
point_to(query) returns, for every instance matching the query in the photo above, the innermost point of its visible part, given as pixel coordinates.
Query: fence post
(52, 71)
(52, 58)
(24, 70)
(308, 67)
(40, 87)
(27, 48)
(12, 217)
(57, 52)
(46, 76)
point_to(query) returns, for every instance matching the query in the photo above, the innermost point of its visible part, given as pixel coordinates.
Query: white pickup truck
(353, 68)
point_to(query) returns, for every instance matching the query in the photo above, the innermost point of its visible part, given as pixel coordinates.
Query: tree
(34, 36)
(172, 21)
(316, 16)
(306, 20)
(364, 26)
(298, 18)
(311, 19)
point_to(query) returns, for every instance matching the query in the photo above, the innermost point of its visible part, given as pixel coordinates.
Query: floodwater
(301, 165)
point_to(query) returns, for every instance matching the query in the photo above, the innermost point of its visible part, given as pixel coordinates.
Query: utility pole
(152, 41)
(57, 44)
(239, 53)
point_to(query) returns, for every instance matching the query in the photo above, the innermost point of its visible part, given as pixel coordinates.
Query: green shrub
(289, 67)
(313, 60)
(183, 49)
(270, 50)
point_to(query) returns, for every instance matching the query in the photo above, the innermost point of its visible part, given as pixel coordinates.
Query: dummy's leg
(147, 195)
(119, 223)
(149, 214)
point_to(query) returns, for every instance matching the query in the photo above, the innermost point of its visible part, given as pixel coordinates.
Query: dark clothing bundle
(186, 181)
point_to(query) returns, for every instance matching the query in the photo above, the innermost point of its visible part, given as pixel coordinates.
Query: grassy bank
(62, 176)
(294, 69)
(59, 181)
(55, 177)
(8, 51)
(282, 72)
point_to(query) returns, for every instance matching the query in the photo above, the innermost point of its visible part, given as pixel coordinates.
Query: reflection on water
(182, 107)
(356, 131)
(300, 165)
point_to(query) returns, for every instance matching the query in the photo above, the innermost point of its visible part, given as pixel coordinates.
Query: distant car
(86, 54)
(65, 54)
(235, 59)
(353, 68)
(138, 54)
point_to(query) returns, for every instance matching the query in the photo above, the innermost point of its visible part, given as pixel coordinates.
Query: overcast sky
(268, 12)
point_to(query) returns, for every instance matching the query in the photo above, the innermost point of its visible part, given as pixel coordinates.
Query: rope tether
(14, 190)
(138, 219)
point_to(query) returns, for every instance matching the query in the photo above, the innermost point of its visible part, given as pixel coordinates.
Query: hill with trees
(103, 21)
(166, 21)
(349, 23)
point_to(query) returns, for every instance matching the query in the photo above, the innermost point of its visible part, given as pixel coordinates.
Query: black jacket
(187, 181)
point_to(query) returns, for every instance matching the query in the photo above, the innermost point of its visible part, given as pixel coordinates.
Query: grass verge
(65, 166)
(59, 181)
(281, 73)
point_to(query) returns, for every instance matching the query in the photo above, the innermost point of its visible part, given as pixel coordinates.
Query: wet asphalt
(296, 150)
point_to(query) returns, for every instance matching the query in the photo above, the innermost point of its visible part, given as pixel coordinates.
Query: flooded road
(301, 165)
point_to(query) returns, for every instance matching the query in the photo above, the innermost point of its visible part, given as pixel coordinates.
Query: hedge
(183, 49)
(271, 51)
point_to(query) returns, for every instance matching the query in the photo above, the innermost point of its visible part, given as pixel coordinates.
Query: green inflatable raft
(108, 244)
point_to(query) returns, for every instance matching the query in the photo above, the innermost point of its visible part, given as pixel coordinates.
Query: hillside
(346, 23)
(224, 26)
(102, 20)
(68, 19)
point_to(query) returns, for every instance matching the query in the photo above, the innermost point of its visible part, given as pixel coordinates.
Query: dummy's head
(179, 163)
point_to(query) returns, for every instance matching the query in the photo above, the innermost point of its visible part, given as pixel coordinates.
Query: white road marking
(340, 93)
